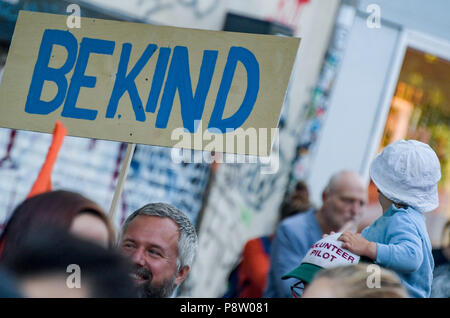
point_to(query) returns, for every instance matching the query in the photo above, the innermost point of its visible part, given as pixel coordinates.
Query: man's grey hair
(331, 186)
(334, 179)
(187, 241)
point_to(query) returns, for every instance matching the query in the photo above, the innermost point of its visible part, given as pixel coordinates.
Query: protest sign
(138, 83)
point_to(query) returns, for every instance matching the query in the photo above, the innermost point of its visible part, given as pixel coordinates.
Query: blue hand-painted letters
(178, 79)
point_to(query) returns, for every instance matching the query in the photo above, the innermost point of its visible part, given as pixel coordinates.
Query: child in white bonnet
(406, 174)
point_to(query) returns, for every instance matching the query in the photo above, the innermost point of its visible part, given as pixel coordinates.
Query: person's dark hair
(297, 202)
(54, 208)
(187, 241)
(446, 235)
(49, 251)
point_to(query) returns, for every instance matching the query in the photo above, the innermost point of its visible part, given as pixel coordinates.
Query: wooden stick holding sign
(121, 181)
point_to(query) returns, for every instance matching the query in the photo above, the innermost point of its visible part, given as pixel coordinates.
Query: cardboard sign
(139, 83)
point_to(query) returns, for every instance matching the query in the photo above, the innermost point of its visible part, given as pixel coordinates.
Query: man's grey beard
(147, 290)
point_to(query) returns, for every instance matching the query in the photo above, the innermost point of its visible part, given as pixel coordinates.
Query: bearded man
(161, 243)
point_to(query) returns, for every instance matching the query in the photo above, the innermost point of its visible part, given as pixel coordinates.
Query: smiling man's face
(151, 244)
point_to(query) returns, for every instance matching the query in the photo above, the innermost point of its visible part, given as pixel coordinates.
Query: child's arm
(402, 251)
(357, 244)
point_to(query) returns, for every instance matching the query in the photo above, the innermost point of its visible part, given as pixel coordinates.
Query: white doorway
(416, 105)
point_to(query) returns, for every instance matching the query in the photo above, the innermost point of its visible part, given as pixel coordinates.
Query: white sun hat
(407, 172)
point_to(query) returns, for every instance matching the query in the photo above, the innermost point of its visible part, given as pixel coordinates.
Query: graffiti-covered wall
(92, 167)
(316, 110)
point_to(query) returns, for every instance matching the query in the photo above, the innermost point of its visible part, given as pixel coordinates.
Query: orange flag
(43, 182)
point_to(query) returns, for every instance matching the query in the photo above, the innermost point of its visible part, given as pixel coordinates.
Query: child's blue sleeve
(403, 251)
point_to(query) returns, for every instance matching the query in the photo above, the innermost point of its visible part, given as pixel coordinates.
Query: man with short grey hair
(161, 242)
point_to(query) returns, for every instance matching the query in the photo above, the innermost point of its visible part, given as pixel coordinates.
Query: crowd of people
(50, 233)
(61, 244)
